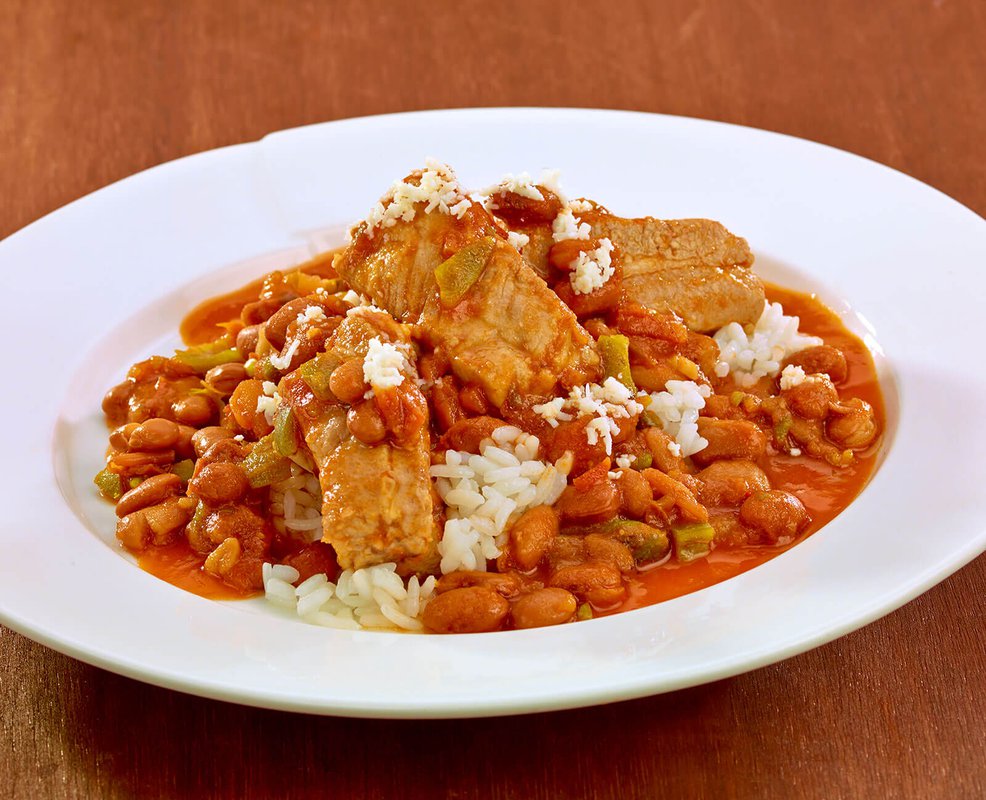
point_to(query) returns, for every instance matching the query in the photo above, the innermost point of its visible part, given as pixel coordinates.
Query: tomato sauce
(181, 566)
(204, 323)
(825, 490)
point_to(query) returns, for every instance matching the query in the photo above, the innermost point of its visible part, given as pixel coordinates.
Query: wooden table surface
(92, 92)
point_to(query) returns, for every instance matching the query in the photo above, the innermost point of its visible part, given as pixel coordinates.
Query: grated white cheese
(522, 185)
(567, 226)
(676, 410)
(581, 206)
(592, 269)
(551, 180)
(437, 188)
(625, 462)
(518, 241)
(311, 314)
(282, 362)
(792, 376)
(268, 402)
(383, 364)
(606, 403)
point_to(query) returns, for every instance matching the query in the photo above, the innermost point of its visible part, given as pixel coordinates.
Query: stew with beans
(491, 411)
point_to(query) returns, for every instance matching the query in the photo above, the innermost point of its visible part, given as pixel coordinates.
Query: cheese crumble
(592, 269)
(383, 364)
(567, 226)
(437, 188)
(268, 402)
(607, 403)
(518, 241)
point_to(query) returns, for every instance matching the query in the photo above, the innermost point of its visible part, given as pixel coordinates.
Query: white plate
(105, 281)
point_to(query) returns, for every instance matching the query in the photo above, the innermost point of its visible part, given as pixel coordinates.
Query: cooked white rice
(750, 357)
(296, 505)
(676, 409)
(373, 597)
(485, 492)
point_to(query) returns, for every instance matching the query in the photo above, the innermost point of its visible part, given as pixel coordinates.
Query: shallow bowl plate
(105, 281)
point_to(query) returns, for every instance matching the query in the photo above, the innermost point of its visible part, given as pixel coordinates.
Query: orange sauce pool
(181, 566)
(824, 490)
(204, 322)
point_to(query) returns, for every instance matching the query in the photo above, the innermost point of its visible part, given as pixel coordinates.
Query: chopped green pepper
(203, 357)
(583, 612)
(109, 484)
(644, 461)
(736, 398)
(285, 431)
(265, 465)
(457, 274)
(184, 469)
(317, 372)
(134, 482)
(647, 543)
(614, 350)
(692, 542)
(781, 429)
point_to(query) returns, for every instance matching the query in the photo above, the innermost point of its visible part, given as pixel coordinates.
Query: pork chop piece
(507, 331)
(378, 502)
(693, 267)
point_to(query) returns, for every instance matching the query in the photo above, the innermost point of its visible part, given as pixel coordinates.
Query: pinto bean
(149, 492)
(247, 340)
(219, 483)
(116, 402)
(204, 438)
(502, 583)
(729, 483)
(138, 464)
(729, 438)
(823, 358)
(852, 424)
(812, 397)
(599, 584)
(778, 514)
(598, 503)
(346, 381)
(120, 438)
(635, 493)
(225, 377)
(365, 422)
(276, 327)
(195, 410)
(543, 607)
(531, 536)
(133, 531)
(607, 550)
(154, 434)
(470, 609)
(168, 518)
(183, 446)
(466, 434)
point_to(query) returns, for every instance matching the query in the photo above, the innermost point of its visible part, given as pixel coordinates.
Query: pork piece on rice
(377, 499)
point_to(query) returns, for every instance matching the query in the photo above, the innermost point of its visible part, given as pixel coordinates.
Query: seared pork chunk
(503, 329)
(377, 501)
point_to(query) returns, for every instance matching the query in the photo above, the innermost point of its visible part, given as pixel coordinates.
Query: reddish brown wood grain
(92, 92)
